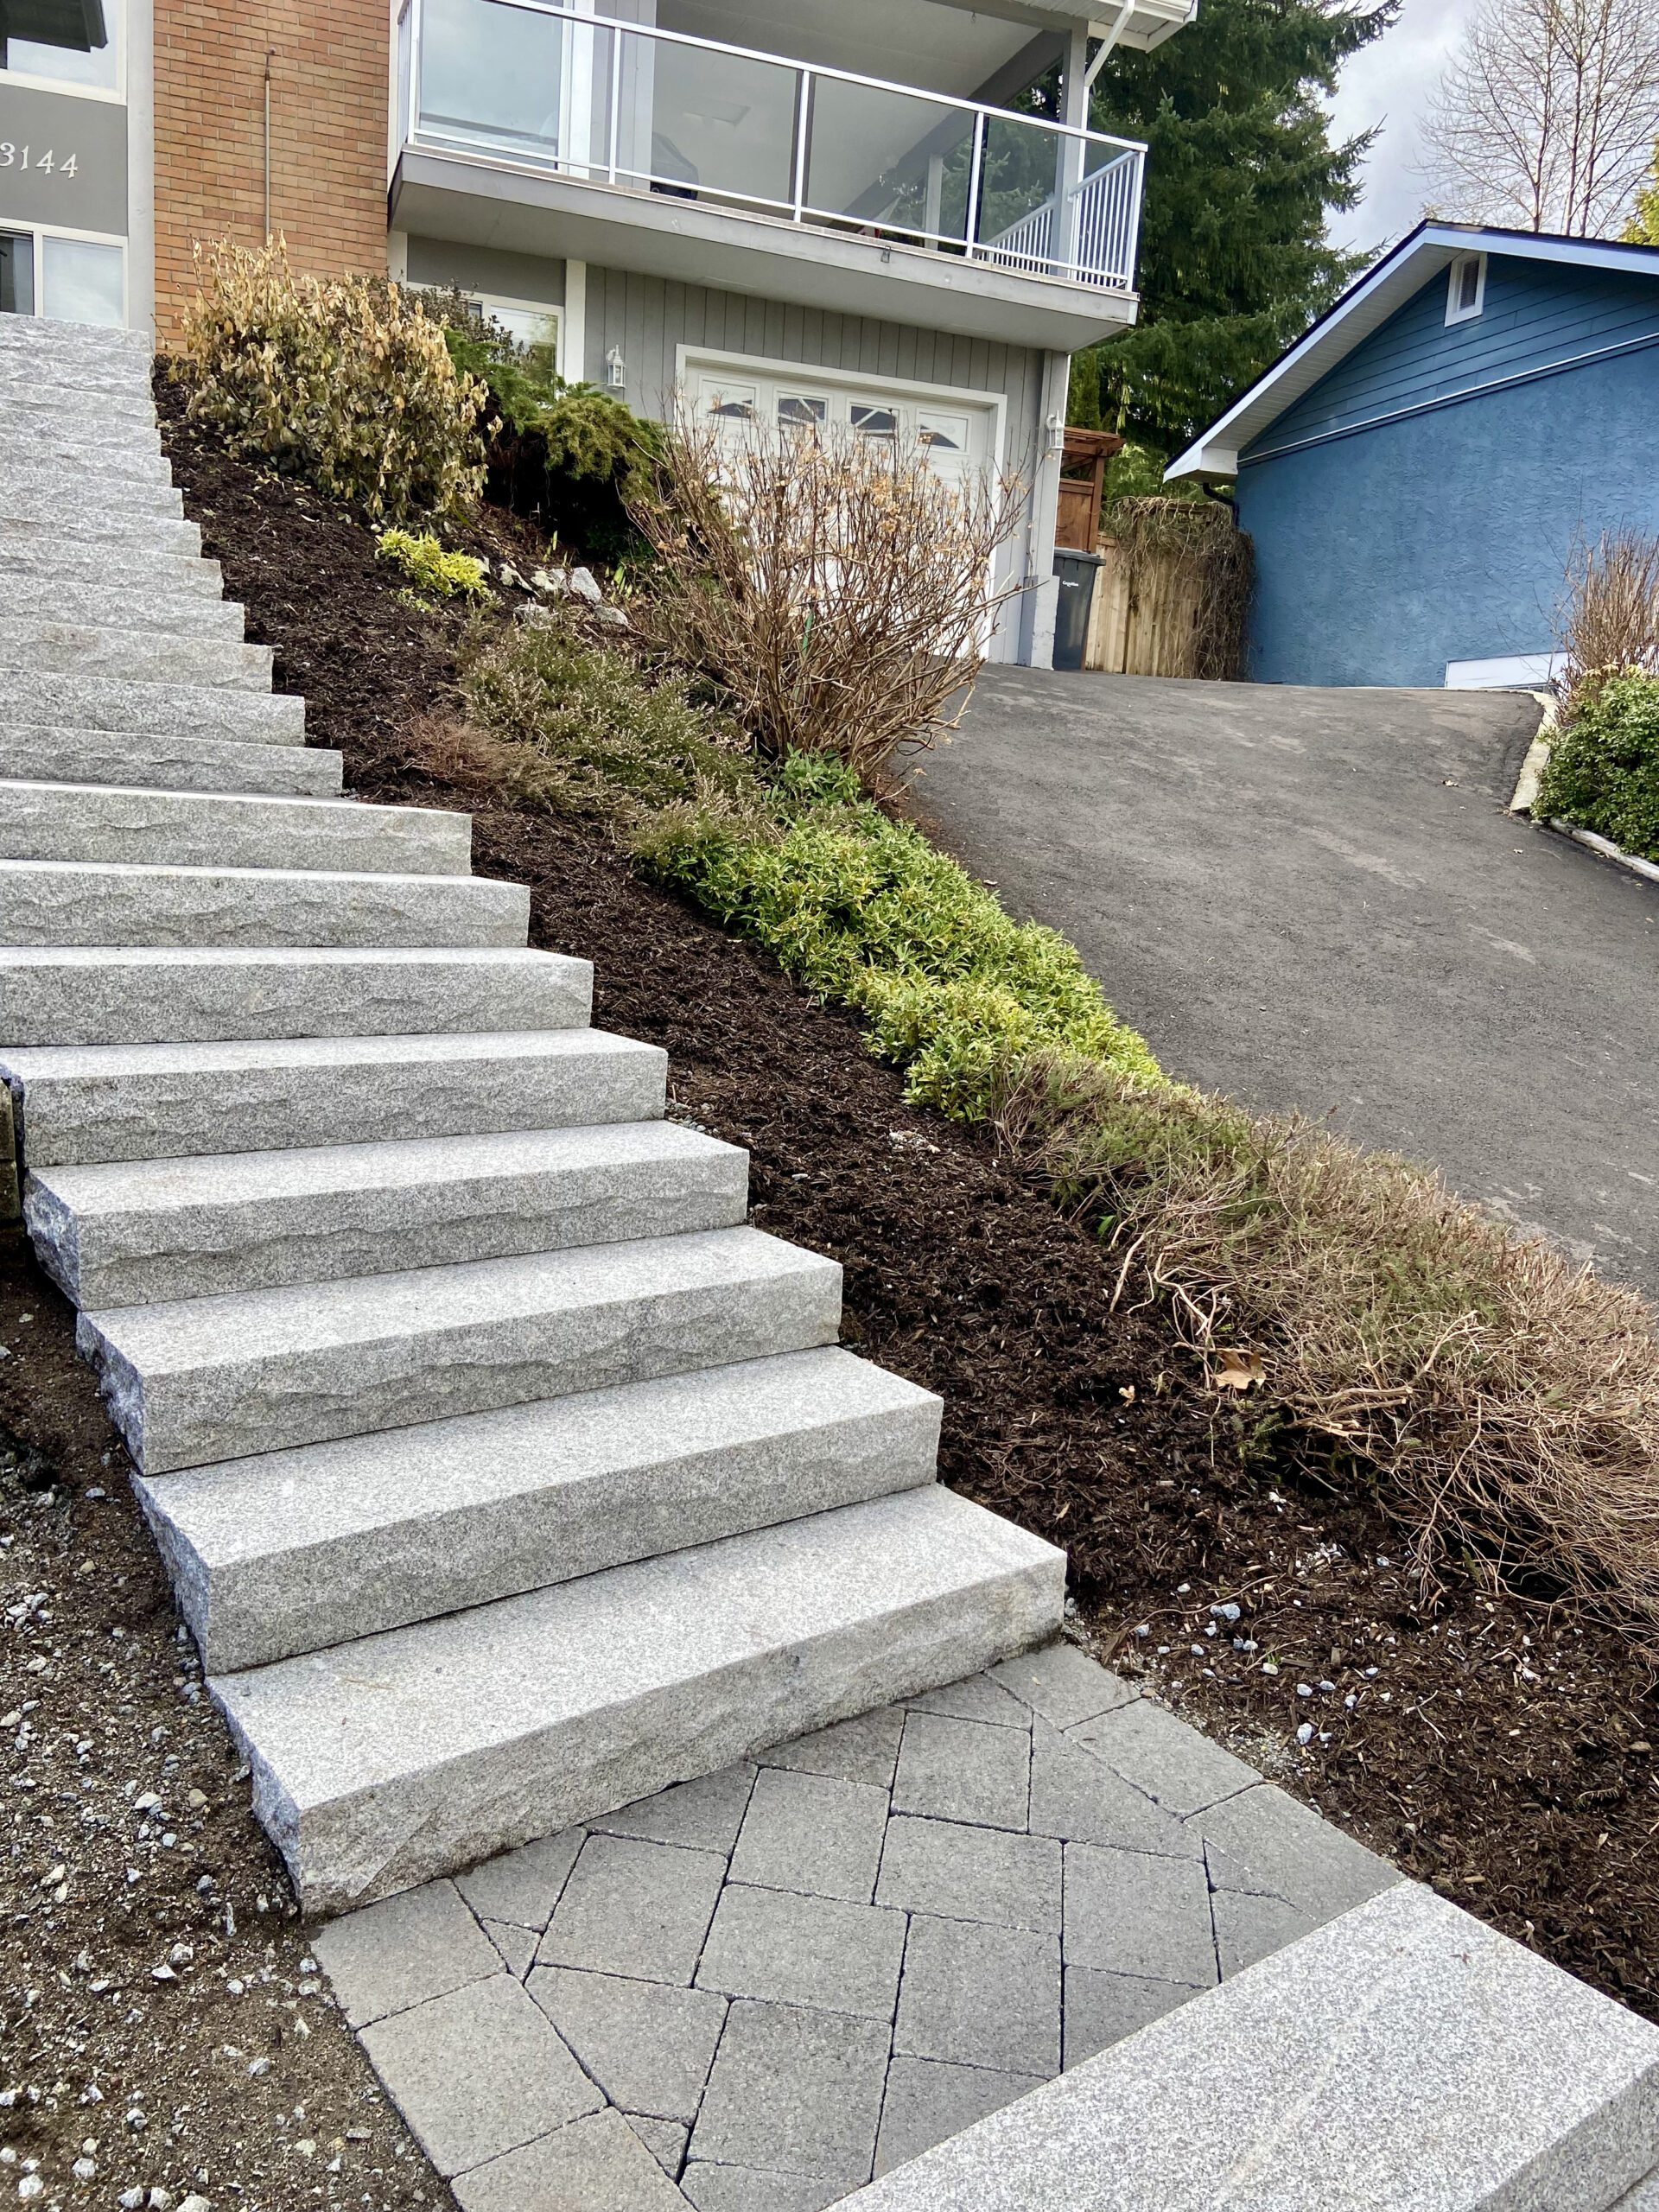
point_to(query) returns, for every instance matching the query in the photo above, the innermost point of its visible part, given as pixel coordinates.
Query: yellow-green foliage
(343, 381)
(429, 568)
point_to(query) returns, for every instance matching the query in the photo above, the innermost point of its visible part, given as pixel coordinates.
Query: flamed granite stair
(504, 1475)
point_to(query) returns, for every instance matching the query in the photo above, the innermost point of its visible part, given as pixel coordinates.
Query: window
(68, 41)
(731, 403)
(1466, 288)
(83, 282)
(16, 272)
(942, 433)
(874, 421)
(527, 322)
(796, 411)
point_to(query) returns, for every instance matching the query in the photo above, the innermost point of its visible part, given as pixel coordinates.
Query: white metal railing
(559, 89)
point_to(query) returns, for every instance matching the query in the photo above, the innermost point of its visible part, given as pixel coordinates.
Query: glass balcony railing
(581, 96)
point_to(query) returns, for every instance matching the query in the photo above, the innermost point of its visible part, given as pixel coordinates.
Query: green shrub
(429, 568)
(1604, 765)
(343, 381)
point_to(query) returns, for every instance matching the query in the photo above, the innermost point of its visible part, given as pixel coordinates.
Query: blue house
(1417, 470)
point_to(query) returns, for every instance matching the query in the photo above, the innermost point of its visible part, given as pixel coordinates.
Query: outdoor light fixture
(617, 369)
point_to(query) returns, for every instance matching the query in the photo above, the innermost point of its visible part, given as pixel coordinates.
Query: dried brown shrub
(1507, 1401)
(1611, 618)
(835, 590)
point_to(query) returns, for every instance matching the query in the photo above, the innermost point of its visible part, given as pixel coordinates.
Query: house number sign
(63, 160)
(48, 162)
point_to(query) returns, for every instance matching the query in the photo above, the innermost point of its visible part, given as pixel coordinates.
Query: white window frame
(1454, 285)
(114, 95)
(544, 311)
(853, 385)
(38, 233)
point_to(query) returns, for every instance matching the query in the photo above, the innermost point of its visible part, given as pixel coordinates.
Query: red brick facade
(329, 62)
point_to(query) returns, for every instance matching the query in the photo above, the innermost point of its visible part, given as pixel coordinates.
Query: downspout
(268, 55)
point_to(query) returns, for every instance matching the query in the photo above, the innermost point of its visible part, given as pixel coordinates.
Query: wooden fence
(1174, 607)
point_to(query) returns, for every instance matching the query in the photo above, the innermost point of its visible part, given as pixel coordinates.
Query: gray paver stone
(597, 2165)
(977, 1697)
(794, 2092)
(632, 1908)
(952, 1769)
(1075, 1795)
(812, 1833)
(1132, 1913)
(1263, 1841)
(704, 1815)
(1063, 1684)
(865, 1750)
(1162, 1755)
(517, 1945)
(971, 1874)
(1101, 2009)
(648, 2044)
(805, 1950)
(523, 1886)
(478, 2073)
(741, 2189)
(392, 1955)
(1250, 1927)
(980, 1996)
(664, 2139)
(927, 2101)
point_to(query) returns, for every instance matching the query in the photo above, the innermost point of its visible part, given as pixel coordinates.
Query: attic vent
(1467, 291)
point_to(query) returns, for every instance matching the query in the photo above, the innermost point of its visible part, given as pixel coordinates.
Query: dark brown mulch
(1501, 1754)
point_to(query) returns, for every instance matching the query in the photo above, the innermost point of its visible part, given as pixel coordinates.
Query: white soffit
(1431, 248)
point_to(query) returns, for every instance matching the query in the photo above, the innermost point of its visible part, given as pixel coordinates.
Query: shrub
(429, 568)
(1604, 765)
(836, 590)
(1612, 609)
(343, 381)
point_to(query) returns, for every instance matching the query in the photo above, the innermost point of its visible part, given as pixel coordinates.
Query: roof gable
(1547, 299)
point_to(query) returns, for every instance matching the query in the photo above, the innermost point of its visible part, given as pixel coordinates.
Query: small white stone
(1304, 1689)
(84, 2168)
(131, 2199)
(582, 583)
(31, 2186)
(1305, 1733)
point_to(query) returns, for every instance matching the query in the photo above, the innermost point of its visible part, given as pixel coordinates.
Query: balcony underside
(468, 201)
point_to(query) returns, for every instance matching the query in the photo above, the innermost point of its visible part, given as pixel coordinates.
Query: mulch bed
(1495, 1750)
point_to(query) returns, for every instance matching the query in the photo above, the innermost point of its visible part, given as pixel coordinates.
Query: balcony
(525, 124)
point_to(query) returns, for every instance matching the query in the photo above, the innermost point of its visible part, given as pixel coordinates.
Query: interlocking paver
(741, 2188)
(632, 1908)
(597, 2165)
(1075, 1795)
(389, 1956)
(927, 2101)
(955, 1770)
(794, 2091)
(1162, 1755)
(649, 2044)
(1133, 1913)
(971, 1873)
(665, 2139)
(1265, 1842)
(522, 1886)
(1063, 1684)
(1250, 1927)
(976, 1697)
(1101, 2009)
(980, 1996)
(704, 1815)
(517, 1945)
(801, 1950)
(478, 2073)
(812, 1833)
(865, 1750)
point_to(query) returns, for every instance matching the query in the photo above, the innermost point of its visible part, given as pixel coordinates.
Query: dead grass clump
(836, 589)
(1612, 620)
(1507, 1402)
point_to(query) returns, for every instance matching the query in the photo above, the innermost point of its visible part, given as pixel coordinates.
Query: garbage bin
(1075, 572)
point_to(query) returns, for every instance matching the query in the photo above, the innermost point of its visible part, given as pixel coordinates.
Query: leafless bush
(836, 590)
(1611, 618)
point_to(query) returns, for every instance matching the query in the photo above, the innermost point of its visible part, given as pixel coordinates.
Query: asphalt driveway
(1315, 899)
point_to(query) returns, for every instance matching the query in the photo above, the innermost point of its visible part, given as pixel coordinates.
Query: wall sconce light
(616, 369)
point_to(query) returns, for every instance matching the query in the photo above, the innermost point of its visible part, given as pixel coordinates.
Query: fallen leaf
(1238, 1370)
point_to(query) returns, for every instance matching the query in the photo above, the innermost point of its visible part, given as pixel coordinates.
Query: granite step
(68, 489)
(294, 1551)
(102, 903)
(113, 561)
(45, 337)
(399, 1756)
(44, 752)
(188, 829)
(216, 713)
(136, 657)
(29, 524)
(140, 995)
(75, 1105)
(86, 601)
(145, 1232)
(219, 1378)
(32, 451)
(79, 420)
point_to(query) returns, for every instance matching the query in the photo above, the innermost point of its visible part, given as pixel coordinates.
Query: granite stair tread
(80, 599)
(50, 753)
(141, 825)
(138, 656)
(215, 713)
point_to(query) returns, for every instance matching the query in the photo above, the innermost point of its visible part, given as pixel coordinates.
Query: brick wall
(329, 70)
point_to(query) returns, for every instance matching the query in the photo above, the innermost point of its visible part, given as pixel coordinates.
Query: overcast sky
(1387, 83)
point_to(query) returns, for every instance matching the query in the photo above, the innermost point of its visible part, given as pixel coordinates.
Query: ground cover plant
(1499, 1749)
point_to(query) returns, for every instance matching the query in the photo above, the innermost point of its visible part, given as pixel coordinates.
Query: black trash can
(1077, 573)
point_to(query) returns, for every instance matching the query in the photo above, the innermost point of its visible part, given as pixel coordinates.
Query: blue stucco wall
(1444, 533)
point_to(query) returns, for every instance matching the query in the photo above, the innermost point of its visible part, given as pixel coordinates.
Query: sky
(1388, 83)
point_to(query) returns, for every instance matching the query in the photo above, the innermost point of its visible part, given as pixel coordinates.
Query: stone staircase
(503, 1475)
